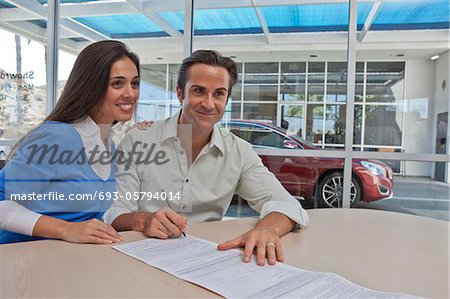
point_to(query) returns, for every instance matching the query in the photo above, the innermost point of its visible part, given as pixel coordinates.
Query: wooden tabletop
(380, 250)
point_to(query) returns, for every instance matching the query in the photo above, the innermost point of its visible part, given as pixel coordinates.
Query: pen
(162, 191)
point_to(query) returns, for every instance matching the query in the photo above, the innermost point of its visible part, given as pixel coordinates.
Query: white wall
(442, 98)
(418, 116)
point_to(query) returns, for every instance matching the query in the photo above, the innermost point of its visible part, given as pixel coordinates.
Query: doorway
(441, 145)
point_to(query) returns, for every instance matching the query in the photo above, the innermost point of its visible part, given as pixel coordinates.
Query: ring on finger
(270, 244)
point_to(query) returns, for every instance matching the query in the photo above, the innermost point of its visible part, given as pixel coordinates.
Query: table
(381, 250)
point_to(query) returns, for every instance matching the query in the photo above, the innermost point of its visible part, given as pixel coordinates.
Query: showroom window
(292, 71)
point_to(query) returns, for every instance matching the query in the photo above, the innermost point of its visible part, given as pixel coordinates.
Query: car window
(267, 137)
(260, 135)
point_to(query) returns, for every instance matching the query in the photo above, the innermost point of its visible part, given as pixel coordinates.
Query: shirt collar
(217, 139)
(172, 129)
(88, 127)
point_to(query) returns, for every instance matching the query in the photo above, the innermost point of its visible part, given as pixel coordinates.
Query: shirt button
(187, 180)
(181, 152)
(183, 206)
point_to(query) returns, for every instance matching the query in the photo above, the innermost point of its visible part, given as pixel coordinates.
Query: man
(197, 167)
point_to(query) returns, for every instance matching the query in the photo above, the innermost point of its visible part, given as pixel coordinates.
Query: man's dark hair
(208, 57)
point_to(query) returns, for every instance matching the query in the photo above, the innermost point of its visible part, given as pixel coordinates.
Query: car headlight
(374, 168)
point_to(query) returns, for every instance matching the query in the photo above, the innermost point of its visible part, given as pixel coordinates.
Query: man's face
(205, 96)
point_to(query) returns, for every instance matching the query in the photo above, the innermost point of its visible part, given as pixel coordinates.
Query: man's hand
(266, 242)
(164, 223)
(265, 237)
(89, 231)
(142, 125)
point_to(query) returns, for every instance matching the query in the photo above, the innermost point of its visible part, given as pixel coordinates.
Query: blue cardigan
(50, 174)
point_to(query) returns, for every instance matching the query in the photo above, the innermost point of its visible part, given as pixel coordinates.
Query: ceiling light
(313, 55)
(232, 57)
(434, 57)
(159, 58)
(399, 55)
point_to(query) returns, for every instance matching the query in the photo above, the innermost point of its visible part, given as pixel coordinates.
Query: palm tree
(18, 71)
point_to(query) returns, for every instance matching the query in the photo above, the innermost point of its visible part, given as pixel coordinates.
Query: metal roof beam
(16, 14)
(82, 30)
(41, 12)
(37, 33)
(369, 20)
(262, 21)
(163, 24)
(31, 7)
(69, 10)
(140, 7)
(91, 9)
(308, 41)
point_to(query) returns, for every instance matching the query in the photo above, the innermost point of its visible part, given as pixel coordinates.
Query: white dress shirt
(227, 165)
(17, 218)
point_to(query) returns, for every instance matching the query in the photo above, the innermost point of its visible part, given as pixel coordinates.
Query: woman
(60, 179)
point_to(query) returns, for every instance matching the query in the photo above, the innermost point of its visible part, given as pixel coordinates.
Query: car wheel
(331, 190)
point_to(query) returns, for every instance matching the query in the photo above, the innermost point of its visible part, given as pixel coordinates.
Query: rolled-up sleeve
(16, 218)
(264, 192)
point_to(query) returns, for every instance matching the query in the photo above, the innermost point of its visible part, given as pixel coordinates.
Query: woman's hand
(90, 231)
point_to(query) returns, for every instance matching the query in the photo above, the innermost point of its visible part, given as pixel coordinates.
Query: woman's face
(121, 95)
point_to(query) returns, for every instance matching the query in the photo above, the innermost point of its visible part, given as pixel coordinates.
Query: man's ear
(179, 94)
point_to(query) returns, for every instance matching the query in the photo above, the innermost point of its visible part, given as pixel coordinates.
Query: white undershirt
(90, 136)
(17, 218)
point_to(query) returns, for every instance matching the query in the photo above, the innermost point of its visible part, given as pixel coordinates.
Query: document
(223, 272)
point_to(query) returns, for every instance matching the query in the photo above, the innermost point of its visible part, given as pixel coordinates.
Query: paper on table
(198, 261)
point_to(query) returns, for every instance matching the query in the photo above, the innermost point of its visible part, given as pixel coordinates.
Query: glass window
(260, 135)
(153, 82)
(261, 82)
(383, 125)
(174, 107)
(151, 104)
(236, 111)
(335, 124)
(337, 82)
(292, 83)
(357, 129)
(173, 77)
(263, 93)
(359, 82)
(261, 112)
(269, 138)
(385, 81)
(22, 85)
(419, 122)
(314, 123)
(236, 92)
(292, 119)
(150, 111)
(316, 81)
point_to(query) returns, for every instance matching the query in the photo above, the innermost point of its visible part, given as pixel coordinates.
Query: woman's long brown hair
(88, 82)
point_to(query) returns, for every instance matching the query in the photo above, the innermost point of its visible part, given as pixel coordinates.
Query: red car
(306, 177)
